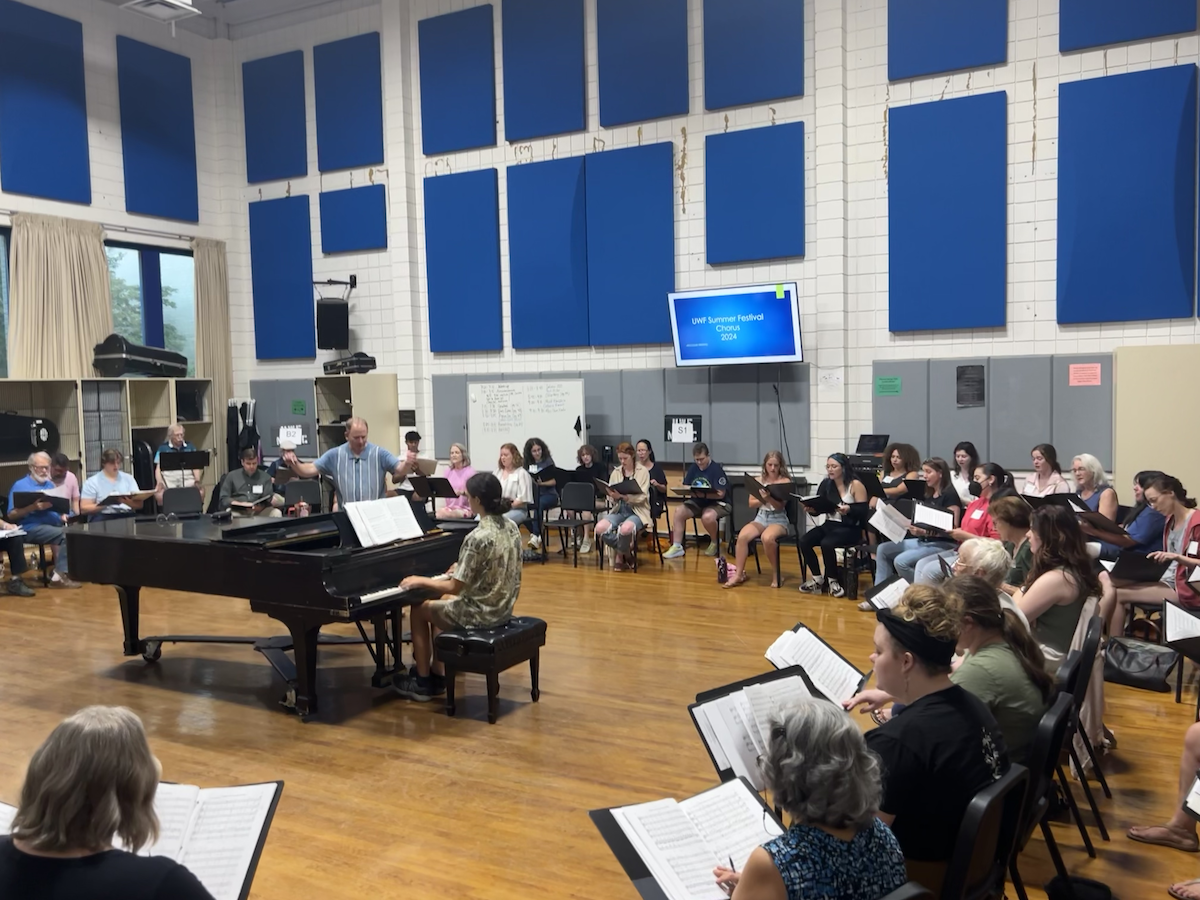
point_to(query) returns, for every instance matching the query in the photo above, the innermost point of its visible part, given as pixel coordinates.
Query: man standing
(357, 468)
(173, 478)
(41, 523)
(250, 485)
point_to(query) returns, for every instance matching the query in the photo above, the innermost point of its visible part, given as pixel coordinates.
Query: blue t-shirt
(98, 487)
(1146, 529)
(46, 516)
(713, 477)
(359, 477)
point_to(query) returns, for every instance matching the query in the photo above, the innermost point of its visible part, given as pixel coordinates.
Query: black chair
(307, 490)
(560, 477)
(1043, 762)
(182, 501)
(1073, 677)
(658, 506)
(792, 539)
(577, 498)
(986, 839)
(910, 890)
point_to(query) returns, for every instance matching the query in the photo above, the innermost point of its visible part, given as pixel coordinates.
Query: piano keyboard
(382, 595)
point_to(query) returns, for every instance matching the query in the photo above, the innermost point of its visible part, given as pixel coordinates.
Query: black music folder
(217, 833)
(886, 594)
(646, 838)
(916, 487)
(429, 486)
(1136, 567)
(817, 506)
(22, 499)
(1104, 524)
(781, 492)
(872, 483)
(627, 487)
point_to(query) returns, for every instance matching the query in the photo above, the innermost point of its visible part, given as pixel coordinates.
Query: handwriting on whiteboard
(504, 405)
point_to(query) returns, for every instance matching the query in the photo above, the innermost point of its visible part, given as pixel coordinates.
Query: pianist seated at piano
(91, 784)
(249, 491)
(357, 468)
(110, 481)
(478, 591)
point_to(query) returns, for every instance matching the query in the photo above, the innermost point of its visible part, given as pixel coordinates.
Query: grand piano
(305, 573)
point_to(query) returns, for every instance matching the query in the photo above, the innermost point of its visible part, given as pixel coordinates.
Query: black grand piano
(305, 573)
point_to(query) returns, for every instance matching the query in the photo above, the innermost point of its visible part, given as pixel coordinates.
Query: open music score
(887, 594)
(383, 521)
(829, 672)
(7, 813)
(682, 842)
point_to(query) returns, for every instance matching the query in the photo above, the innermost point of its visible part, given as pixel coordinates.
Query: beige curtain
(214, 351)
(59, 301)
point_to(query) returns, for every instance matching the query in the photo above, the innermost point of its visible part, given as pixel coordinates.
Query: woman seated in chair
(478, 591)
(540, 466)
(590, 468)
(515, 484)
(945, 747)
(901, 557)
(658, 478)
(820, 772)
(1060, 580)
(1010, 518)
(1092, 486)
(628, 513)
(91, 783)
(841, 528)
(1142, 523)
(1047, 477)
(110, 481)
(769, 524)
(1180, 549)
(458, 473)
(902, 463)
(991, 482)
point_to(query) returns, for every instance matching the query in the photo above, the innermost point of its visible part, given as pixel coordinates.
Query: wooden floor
(388, 798)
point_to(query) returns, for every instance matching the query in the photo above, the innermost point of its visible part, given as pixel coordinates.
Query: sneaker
(437, 685)
(673, 552)
(586, 546)
(535, 542)
(19, 588)
(713, 548)
(413, 687)
(836, 589)
(815, 585)
(62, 581)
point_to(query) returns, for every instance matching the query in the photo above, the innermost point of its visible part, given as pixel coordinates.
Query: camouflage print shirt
(489, 567)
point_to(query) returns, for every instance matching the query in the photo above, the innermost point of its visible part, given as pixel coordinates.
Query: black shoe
(19, 588)
(413, 687)
(437, 685)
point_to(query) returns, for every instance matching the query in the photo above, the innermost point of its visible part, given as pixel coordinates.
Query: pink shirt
(458, 481)
(69, 488)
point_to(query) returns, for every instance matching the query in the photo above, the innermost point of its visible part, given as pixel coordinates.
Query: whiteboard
(504, 412)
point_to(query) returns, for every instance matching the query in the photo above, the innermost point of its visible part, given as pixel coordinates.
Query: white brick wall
(843, 279)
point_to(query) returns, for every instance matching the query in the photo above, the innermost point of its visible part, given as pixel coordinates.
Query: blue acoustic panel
(1127, 245)
(547, 254)
(753, 51)
(158, 131)
(630, 244)
(281, 278)
(354, 219)
(544, 89)
(43, 111)
(276, 130)
(926, 37)
(947, 204)
(348, 84)
(458, 80)
(462, 262)
(754, 194)
(1093, 23)
(643, 54)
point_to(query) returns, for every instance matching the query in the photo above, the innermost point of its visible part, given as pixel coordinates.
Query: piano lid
(328, 530)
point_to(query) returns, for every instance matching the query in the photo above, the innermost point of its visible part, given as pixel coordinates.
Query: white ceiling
(241, 18)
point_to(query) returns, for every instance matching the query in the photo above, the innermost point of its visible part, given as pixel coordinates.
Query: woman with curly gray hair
(820, 772)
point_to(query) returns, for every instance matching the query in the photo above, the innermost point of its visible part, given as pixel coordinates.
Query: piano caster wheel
(152, 652)
(288, 700)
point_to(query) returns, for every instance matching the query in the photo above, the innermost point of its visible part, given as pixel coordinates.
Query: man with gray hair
(174, 478)
(357, 468)
(41, 523)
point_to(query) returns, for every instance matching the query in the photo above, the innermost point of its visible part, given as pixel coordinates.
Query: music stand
(179, 460)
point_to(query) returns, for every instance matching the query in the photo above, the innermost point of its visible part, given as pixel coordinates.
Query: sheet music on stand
(734, 720)
(887, 594)
(383, 521)
(835, 677)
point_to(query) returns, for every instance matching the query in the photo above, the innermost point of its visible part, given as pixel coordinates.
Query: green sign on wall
(887, 386)
(299, 408)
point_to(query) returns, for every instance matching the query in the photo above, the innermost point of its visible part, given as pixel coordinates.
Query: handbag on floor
(1139, 664)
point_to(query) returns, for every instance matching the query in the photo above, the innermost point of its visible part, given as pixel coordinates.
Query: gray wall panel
(1083, 416)
(602, 403)
(686, 394)
(642, 407)
(948, 424)
(794, 397)
(734, 395)
(450, 418)
(905, 417)
(1019, 408)
(273, 408)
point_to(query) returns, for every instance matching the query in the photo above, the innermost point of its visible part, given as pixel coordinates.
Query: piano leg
(304, 648)
(130, 607)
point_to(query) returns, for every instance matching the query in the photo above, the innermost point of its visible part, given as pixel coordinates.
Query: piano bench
(489, 651)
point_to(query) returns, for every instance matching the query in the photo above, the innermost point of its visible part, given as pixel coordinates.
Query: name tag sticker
(1193, 547)
(978, 514)
(256, 489)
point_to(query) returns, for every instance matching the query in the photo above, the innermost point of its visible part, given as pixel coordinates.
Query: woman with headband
(841, 527)
(944, 747)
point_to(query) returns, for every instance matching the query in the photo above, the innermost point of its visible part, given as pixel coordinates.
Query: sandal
(1178, 896)
(741, 579)
(1164, 836)
(866, 606)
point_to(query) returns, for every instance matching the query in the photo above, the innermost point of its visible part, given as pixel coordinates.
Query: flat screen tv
(759, 323)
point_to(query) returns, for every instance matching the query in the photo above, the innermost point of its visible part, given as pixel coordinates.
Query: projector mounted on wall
(165, 11)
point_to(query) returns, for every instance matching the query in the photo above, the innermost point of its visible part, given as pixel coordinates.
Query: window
(153, 297)
(5, 236)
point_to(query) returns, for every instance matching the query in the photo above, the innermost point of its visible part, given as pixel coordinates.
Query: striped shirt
(359, 477)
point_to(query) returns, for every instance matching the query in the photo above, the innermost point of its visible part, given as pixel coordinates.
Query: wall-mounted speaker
(333, 325)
